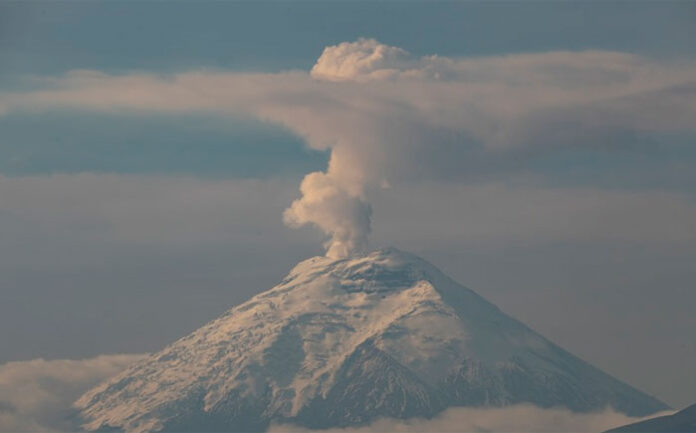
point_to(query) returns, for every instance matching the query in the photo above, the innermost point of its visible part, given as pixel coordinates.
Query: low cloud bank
(37, 395)
(518, 418)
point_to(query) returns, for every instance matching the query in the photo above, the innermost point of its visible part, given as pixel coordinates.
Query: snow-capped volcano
(342, 342)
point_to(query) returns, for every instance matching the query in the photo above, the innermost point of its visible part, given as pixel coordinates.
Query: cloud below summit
(37, 395)
(516, 418)
(387, 116)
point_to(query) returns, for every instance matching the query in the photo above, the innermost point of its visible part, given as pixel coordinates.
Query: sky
(541, 153)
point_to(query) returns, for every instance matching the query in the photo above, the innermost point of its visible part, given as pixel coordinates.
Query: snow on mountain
(683, 421)
(342, 342)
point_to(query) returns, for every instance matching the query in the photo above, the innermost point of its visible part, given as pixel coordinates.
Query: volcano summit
(343, 342)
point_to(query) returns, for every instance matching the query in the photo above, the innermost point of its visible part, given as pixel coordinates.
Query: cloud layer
(518, 418)
(77, 249)
(37, 395)
(388, 116)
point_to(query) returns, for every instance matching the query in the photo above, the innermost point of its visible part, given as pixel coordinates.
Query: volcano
(343, 342)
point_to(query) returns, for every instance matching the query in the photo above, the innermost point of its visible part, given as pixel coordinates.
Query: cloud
(37, 395)
(324, 203)
(139, 209)
(367, 59)
(67, 220)
(388, 116)
(489, 98)
(518, 418)
(495, 212)
(78, 248)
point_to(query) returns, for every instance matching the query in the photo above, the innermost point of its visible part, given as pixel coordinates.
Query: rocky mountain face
(683, 421)
(343, 342)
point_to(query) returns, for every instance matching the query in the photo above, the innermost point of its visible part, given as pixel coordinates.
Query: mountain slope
(683, 421)
(342, 342)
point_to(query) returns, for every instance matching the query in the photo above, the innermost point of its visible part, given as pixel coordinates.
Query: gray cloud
(497, 212)
(133, 211)
(77, 249)
(37, 395)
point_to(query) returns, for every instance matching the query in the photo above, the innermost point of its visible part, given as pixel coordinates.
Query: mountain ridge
(342, 342)
(683, 421)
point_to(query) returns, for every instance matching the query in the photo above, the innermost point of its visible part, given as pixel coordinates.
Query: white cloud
(339, 214)
(365, 60)
(387, 115)
(518, 418)
(37, 395)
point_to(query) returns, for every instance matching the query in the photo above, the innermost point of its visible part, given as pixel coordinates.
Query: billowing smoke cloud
(37, 395)
(519, 418)
(340, 214)
(363, 60)
(367, 59)
(387, 116)
(335, 201)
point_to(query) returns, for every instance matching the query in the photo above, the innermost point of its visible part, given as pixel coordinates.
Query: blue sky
(50, 37)
(73, 142)
(126, 227)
